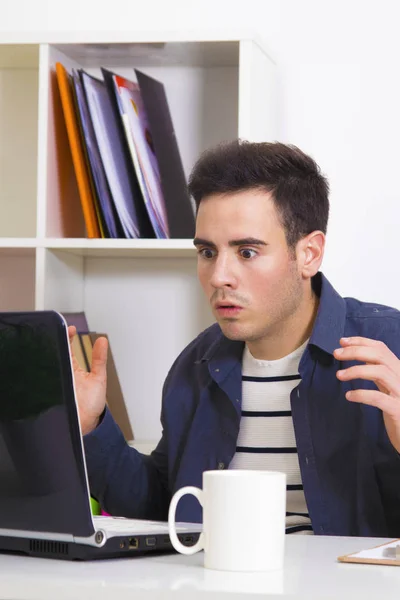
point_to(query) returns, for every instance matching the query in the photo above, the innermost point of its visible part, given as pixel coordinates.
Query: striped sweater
(266, 438)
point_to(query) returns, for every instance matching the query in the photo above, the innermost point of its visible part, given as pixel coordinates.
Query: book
(180, 213)
(78, 319)
(99, 213)
(79, 354)
(111, 224)
(86, 344)
(88, 201)
(138, 135)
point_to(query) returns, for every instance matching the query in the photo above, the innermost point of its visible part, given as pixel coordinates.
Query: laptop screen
(42, 474)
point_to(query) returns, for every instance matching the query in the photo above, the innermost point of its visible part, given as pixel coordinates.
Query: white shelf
(101, 248)
(16, 242)
(122, 248)
(127, 37)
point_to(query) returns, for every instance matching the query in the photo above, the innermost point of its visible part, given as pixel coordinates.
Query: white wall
(341, 97)
(340, 101)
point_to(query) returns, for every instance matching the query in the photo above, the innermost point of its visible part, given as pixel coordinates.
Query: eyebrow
(250, 241)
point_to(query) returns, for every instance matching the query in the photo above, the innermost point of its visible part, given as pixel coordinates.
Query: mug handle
(199, 545)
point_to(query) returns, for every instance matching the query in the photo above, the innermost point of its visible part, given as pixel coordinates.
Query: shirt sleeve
(124, 481)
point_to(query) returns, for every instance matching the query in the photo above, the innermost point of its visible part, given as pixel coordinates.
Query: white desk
(311, 571)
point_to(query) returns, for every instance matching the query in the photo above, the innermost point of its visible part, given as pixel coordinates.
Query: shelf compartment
(17, 279)
(202, 98)
(18, 139)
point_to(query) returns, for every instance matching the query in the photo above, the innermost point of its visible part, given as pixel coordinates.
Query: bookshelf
(143, 293)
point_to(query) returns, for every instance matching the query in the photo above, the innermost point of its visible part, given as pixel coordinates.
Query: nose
(223, 274)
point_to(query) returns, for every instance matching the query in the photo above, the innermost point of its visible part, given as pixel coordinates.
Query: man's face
(252, 280)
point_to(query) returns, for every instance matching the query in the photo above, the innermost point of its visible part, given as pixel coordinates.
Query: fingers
(387, 404)
(71, 332)
(359, 341)
(382, 375)
(99, 356)
(99, 353)
(366, 350)
(377, 354)
(383, 368)
(71, 335)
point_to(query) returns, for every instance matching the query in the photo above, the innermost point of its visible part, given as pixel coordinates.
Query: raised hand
(90, 387)
(383, 368)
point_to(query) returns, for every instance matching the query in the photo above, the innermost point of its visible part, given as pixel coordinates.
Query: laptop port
(133, 543)
(151, 541)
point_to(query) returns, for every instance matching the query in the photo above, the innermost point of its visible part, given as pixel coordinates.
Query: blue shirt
(350, 470)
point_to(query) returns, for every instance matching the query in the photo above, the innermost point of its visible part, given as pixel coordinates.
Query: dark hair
(298, 188)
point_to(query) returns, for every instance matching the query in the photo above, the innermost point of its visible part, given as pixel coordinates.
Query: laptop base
(115, 547)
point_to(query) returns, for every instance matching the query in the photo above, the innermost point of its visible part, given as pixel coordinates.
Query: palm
(91, 386)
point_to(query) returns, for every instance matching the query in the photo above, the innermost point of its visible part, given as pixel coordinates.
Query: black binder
(180, 213)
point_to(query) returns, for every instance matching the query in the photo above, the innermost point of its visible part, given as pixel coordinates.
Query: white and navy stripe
(266, 438)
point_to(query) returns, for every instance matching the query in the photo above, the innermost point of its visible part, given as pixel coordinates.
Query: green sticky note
(95, 506)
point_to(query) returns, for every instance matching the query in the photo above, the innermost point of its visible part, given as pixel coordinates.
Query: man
(291, 377)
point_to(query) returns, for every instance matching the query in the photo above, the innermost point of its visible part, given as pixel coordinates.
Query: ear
(310, 252)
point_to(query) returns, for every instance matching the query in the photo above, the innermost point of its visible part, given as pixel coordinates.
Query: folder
(78, 155)
(126, 169)
(112, 153)
(137, 132)
(111, 225)
(180, 212)
(384, 554)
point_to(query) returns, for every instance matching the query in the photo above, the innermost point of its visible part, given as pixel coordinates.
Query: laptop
(44, 492)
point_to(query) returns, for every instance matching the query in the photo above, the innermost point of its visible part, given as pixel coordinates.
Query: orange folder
(87, 197)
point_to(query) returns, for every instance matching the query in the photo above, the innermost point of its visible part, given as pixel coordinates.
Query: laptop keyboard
(139, 526)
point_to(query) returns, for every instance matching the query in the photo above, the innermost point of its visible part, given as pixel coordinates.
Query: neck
(289, 335)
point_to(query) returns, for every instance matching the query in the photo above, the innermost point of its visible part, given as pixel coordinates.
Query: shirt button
(221, 466)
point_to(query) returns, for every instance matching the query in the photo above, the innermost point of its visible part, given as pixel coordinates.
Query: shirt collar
(331, 315)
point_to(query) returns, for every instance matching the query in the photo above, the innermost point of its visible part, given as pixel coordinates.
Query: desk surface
(311, 571)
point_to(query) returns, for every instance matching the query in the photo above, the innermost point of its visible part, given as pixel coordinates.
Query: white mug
(243, 520)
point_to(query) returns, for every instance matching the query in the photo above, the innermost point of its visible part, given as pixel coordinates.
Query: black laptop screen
(42, 477)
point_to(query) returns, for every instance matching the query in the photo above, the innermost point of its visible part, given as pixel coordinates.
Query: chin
(233, 332)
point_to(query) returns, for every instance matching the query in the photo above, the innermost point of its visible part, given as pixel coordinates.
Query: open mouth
(228, 309)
